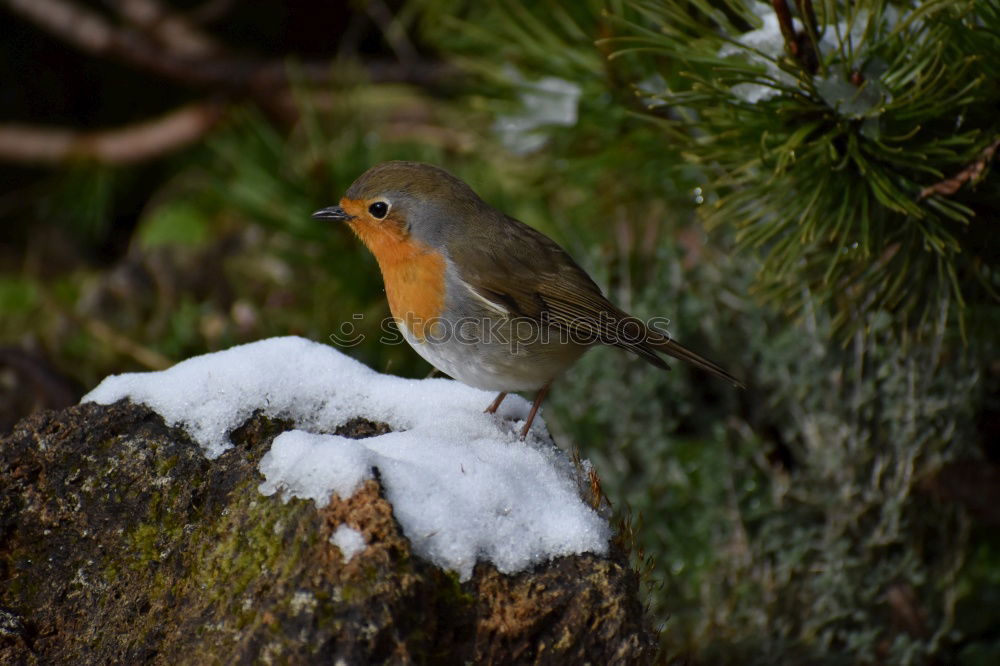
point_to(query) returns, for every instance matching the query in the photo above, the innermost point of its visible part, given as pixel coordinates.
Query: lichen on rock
(121, 542)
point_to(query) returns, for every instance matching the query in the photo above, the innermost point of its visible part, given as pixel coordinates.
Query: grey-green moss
(120, 542)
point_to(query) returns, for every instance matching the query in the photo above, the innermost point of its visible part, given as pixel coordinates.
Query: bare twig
(211, 11)
(784, 15)
(971, 173)
(169, 29)
(392, 30)
(124, 345)
(125, 145)
(808, 40)
(82, 27)
(800, 45)
(807, 13)
(169, 46)
(350, 38)
(90, 32)
(104, 333)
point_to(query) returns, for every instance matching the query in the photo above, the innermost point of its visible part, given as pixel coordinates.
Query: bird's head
(399, 201)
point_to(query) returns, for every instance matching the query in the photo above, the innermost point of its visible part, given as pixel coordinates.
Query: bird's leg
(542, 392)
(495, 405)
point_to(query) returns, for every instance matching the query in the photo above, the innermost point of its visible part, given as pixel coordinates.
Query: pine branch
(972, 173)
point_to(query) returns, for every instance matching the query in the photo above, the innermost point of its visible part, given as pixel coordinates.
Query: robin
(481, 296)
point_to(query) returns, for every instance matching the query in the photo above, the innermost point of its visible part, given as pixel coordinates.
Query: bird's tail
(679, 351)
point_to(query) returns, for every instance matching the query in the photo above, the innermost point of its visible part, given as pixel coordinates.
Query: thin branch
(189, 58)
(84, 28)
(800, 45)
(211, 11)
(971, 173)
(168, 28)
(90, 32)
(392, 30)
(807, 13)
(104, 333)
(124, 145)
(809, 39)
(126, 346)
(784, 16)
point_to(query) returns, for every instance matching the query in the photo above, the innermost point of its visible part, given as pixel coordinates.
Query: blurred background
(808, 190)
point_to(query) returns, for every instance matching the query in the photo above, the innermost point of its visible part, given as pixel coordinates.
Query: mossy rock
(120, 542)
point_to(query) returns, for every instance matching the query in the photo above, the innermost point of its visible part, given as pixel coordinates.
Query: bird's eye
(379, 209)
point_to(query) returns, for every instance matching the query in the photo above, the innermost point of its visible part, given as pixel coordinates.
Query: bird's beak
(332, 213)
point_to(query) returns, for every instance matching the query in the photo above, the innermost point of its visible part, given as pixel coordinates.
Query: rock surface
(120, 542)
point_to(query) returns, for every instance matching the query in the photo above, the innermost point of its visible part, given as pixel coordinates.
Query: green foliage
(17, 296)
(178, 221)
(787, 524)
(824, 177)
(80, 199)
(784, 525)
(780, 539)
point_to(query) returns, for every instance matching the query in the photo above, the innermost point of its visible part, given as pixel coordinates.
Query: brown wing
(529, 275)
(526, 273)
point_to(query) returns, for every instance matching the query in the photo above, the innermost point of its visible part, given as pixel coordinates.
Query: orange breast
(412, 271)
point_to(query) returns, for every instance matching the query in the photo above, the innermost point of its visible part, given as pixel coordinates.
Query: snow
(303, 464)
(766, 45)
(550, 101)
(762, 46)
(349, 541)
(462, 486)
